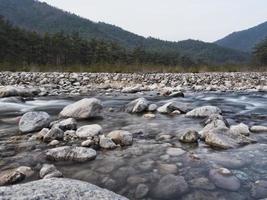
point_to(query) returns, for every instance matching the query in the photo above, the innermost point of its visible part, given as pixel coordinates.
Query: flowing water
(122, 169)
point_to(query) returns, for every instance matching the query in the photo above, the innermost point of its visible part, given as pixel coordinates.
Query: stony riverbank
(55, 83)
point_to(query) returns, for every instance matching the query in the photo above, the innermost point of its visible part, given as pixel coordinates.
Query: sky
(175, 20)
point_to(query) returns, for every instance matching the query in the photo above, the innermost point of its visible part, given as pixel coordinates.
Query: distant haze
(206, 20)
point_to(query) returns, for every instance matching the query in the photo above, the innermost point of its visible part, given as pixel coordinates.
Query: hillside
(41, 17)
(245, 40)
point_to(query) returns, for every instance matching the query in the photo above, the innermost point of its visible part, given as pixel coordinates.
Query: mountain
(245, 40)
(40, 17)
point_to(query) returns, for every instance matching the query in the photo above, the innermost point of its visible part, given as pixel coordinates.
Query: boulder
(70, 135)
(87, 143)
(106, 143)
(11, 177)
(54, 133)
(258, 129)
(9, 91)
(123, 138)
(242, 129)
(66, 124)
(49, 171)
(149, 116)
(34, 121)
(89, 131)
(141, 191)
(83, 109)
(58, 188)
(152, 108)
(177, 94)
(137, 106)
(223, 178)
(204, 111)
(170, 187)
(69, 153)
(133, 89)
(171, 107)
(190, 136)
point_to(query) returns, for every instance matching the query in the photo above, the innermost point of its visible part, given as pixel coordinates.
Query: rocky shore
(55, 83)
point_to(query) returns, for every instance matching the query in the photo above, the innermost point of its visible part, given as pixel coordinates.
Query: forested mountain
(40, 17)
(245, 40)
(260, 52)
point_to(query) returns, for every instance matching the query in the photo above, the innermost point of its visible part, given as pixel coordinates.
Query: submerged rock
(49, 171)
(204, 111)
(66, 124)
(242, 129)
(89, 131)
(69, 153)
(190, 136)
(170, 187)
(58, 188)
(175, 151)
(137, 106)
(259, 189)
(170, 108)
(83, 109)
(141, 191)
(223, 178)
(152, 108)
(123, 138)
(258, 129)
(34, 121)
(106, 143)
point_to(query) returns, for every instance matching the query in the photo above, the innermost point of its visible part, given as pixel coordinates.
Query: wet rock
(123, 138)
(175, 151)
(89, 131)
(141, 191)
(67, 124)
(223, 178)
(216, 117)
(40, 135)
(167, 168)
(170, 187)
(133, 89)
(106, 143)
(87, 143)
(149, 116)
(204, 111)
(168, 108)
(201, 183)
(177, 94)
(50, 171)
(215, 124)
(242, 129)
(9, 91)
(259, 189)
(34, 121)
(137, 106)
(258, 129)
(12, 100)
(83, 109)
(27, 171)
(58, 188)
(152, 108)
(54, 133)
(135, 180)
(53, 143)
(190, 136)
(69, 153)
(11, 177)
(70, 135)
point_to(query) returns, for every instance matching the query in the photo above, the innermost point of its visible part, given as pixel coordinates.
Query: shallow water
(121, 170)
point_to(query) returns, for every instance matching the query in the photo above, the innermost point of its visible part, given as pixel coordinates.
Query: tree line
(260, 53)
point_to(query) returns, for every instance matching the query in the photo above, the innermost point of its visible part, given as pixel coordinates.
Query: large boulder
(123, 138)
(171, 107)
(204, 111)
(69, 153)
(89, 131)
(137, 106)
(170, 187)
(57, 188)
(83, 109)
(34, 121)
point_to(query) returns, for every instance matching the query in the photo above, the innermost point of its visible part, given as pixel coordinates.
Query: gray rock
(9, 91)
(54, 133)
(242, 129)
(12, 100)
(83, 109)
(133, 89)
(223, 178)
(137, 106)
(204, 111)
(169, 108)
(106, 143)
(11, 177)
(258, 129)
(175, 151)
(167, 168)
(123, 138)
(69, 153)
(89, 131)
(170, 187)
(259, 189)
(149, 116)
(49, 171)
(34, 121)
(70, 135)
(67, 124)
(87, 143)
(141, 191)
(177, 94)
(202, 183)
(53, 143)
(57, 188)
(190, 136)
(152, 108)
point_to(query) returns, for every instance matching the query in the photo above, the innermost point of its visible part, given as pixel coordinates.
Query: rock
(175, 151)
(8, 91)
(89, 131)
(242, 129)
(83, 109)
(177, 94)
(134, 89)
(137, 106)
(12, 100)
(106, 143)
(58, 188)
(54, 133)
(259, 189)
(202, 183)
(212, 125)
(168, 168)
(216, 117)
(149, 116)
(123, 138)
(49, 171)
(223, 178)
(34, 121)
(53, 143)
(87, 143)
(190, 136)
(204, 111)
(135, 180)
(169, 108)
(67, 124)
(170, 187)
(70, 135)
(152, 108)
(69, 153)
(27, 171)
(11, 177)
(258, 129)
(141, 191)
(42, 133)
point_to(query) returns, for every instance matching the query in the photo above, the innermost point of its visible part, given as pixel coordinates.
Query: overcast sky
(175, 20)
